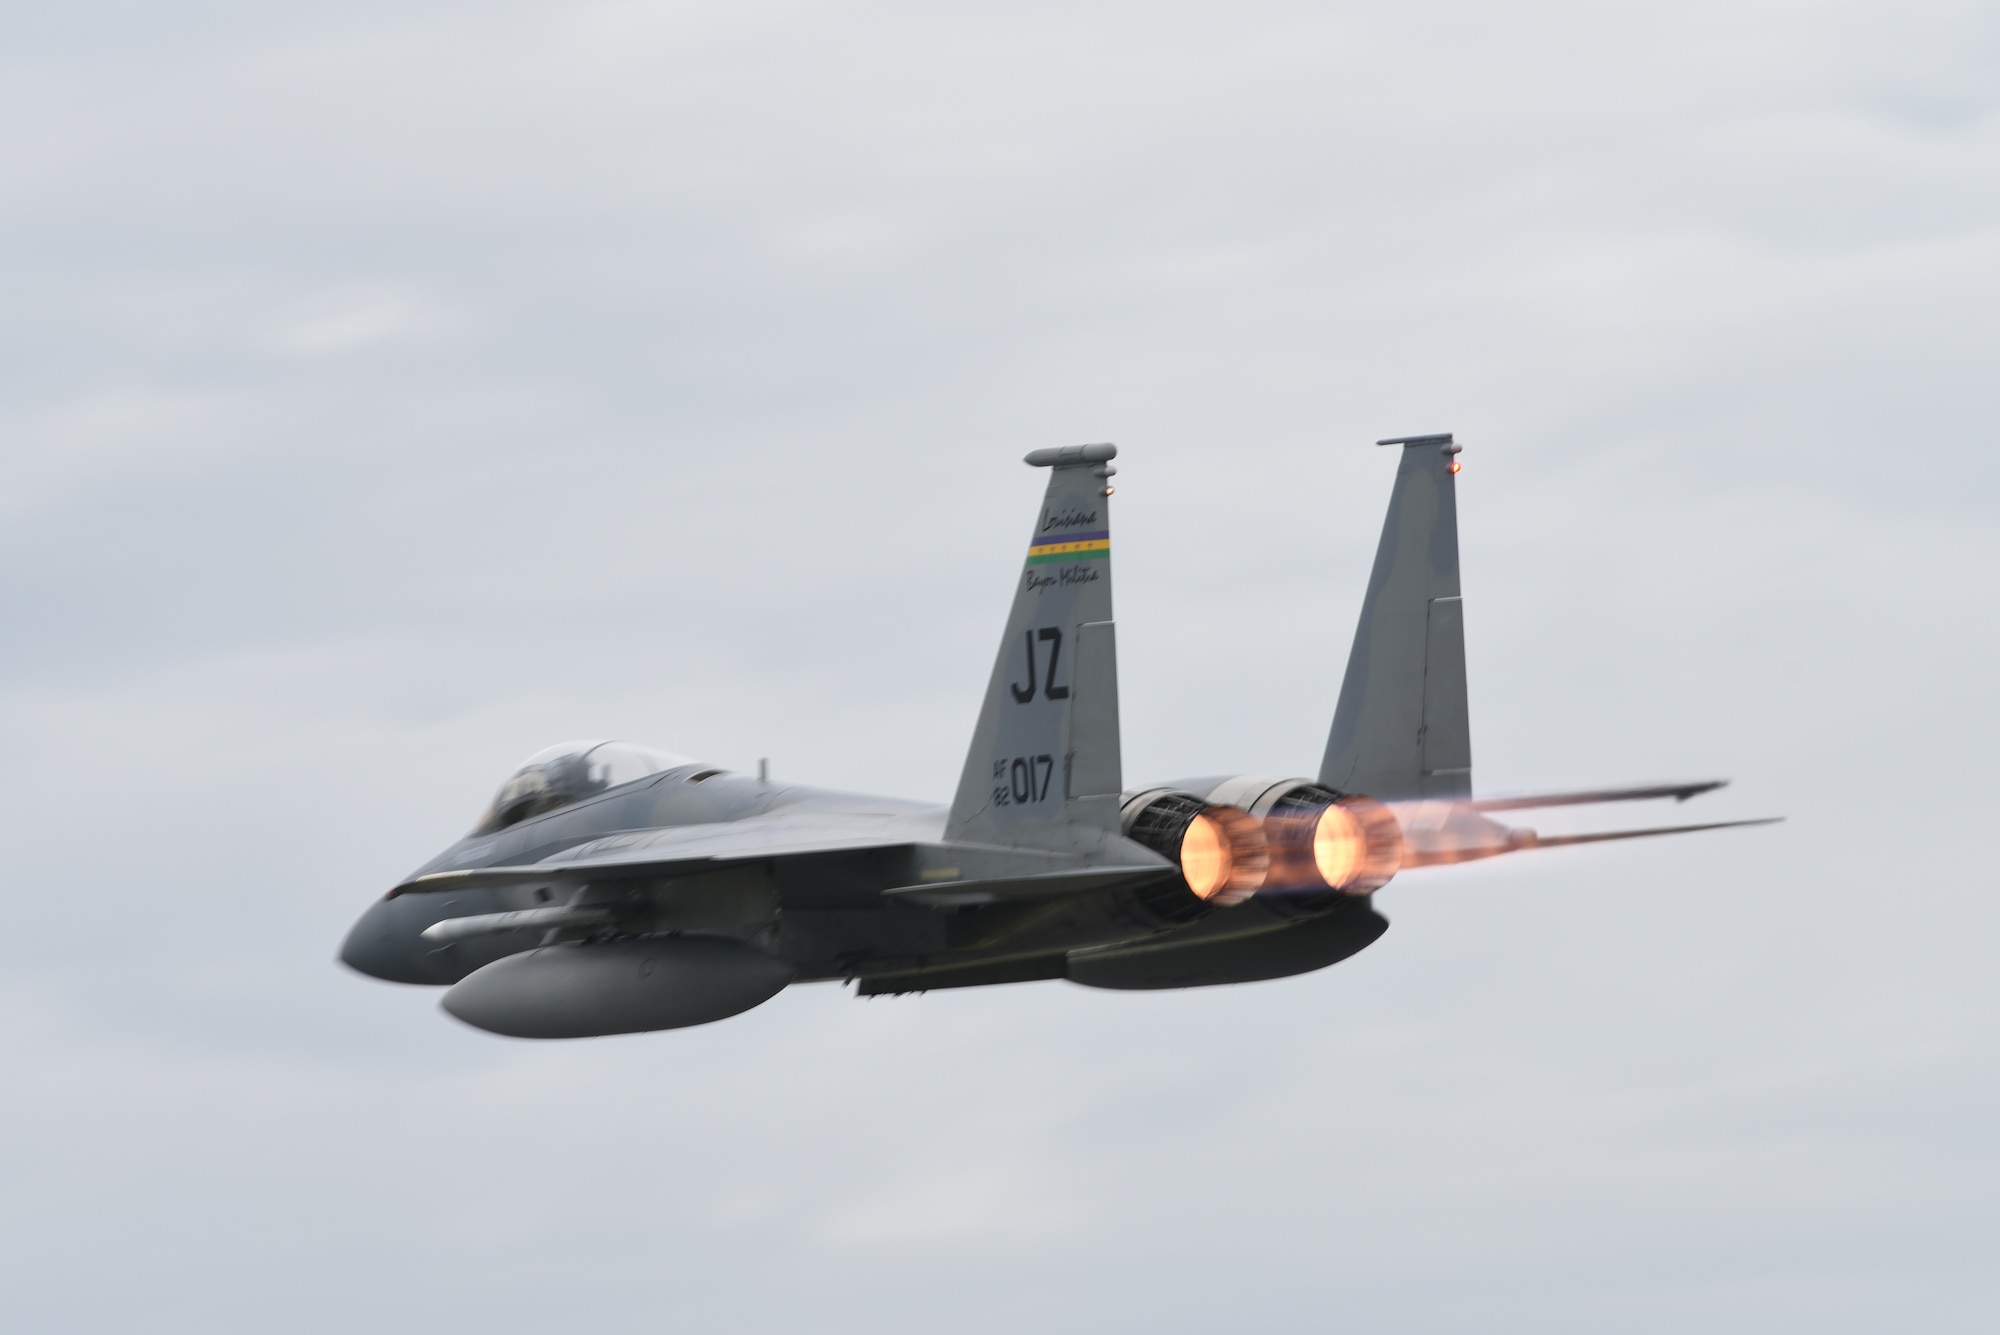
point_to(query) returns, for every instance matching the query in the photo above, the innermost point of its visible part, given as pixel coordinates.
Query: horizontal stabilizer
(1680, 792)
(1437, 834)
(1529, 839)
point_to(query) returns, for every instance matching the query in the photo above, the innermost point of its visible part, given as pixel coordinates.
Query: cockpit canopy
(569, 772)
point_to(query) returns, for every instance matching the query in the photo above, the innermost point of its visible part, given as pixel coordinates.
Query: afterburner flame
(1337, 847)
(1204, 858)
(1353, 845)
(1224, 858)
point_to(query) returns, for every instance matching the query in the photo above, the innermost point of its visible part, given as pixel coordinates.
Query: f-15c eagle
(614, 889)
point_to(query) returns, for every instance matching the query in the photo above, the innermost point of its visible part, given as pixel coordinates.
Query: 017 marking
(1022, 781)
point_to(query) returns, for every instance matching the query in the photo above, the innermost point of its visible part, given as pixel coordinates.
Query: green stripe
(1100, 554)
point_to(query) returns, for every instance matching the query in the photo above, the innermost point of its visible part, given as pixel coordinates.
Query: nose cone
(384, 943)
(387, 941)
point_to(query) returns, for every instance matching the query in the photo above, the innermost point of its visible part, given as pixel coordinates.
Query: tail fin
(1044, 756)
(1401, 729)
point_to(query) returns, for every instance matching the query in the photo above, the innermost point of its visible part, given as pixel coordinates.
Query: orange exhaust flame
(1353, 845)
(1438, 834)
(1337, 846)
(1224, 856)
(1356, 844)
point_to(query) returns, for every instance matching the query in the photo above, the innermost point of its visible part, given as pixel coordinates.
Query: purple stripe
(1050, 539)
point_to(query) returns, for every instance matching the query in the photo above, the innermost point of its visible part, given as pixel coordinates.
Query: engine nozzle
(1221, 850)
(1350, 844)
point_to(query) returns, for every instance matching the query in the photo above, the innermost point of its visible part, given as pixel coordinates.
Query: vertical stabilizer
(1044, 758)
(1401, 729)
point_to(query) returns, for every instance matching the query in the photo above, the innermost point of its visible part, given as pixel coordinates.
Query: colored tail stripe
(1055, 539)
(1045, 553)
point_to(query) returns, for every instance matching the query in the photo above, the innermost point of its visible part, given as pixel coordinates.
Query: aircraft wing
(1680, 792)
(688, 849)
(682, 850)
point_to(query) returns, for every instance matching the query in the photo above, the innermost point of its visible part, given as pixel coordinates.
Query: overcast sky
(389, 390)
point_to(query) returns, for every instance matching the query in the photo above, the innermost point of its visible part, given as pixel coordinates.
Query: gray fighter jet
(612, 889)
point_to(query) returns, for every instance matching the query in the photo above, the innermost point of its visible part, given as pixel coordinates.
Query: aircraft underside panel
(1029, 969)
(1300, 948)
(1297, 948)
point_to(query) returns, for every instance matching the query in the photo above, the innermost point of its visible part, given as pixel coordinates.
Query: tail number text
(1051, 636)
(1022, 781)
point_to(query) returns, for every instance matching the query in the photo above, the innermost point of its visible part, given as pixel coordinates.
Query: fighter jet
(610, 888)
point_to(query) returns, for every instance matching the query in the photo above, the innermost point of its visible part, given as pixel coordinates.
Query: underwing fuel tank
(617, 987)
